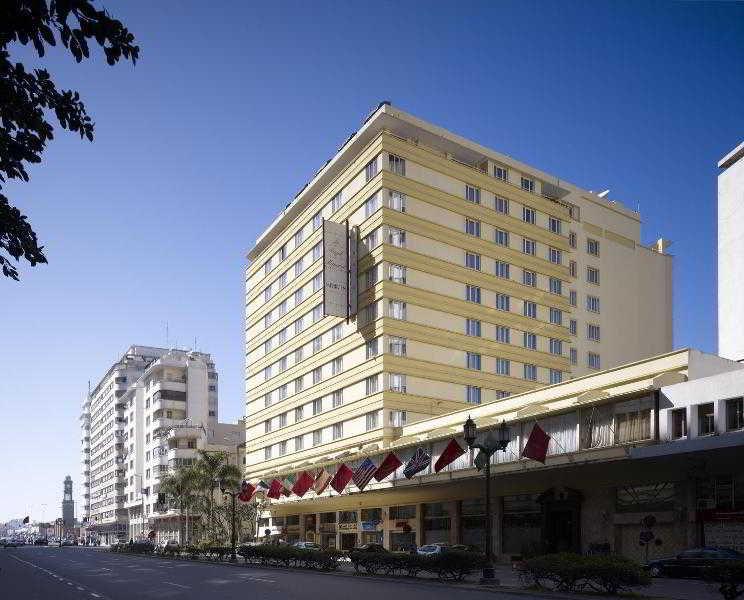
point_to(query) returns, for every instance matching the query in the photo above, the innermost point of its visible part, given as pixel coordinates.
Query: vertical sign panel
(353, 274)
(335, 269)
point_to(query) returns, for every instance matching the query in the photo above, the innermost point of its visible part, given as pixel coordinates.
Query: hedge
(290, 556)
(573, 572)
(452, 565)
(729, 576)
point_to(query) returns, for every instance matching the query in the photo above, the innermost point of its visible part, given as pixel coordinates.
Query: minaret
(68, 505)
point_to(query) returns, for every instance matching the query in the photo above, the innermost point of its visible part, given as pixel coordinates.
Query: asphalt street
(38, 573)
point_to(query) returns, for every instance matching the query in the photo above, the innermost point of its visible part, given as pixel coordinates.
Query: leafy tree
(180, 487)
(211, 468)
(28, 97)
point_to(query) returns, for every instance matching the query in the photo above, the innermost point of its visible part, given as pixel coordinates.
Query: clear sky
(231, 110)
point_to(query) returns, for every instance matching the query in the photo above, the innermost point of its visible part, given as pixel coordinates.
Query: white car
(307, 545)
(432, 549)
(168, 544)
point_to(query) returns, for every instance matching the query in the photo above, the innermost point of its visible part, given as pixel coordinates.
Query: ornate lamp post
(488, 445)
(233, 495)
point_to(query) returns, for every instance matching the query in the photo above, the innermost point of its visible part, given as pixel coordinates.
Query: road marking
(185, 587)
(48, 572)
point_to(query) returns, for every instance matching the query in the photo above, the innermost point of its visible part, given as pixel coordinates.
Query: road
(38, 573)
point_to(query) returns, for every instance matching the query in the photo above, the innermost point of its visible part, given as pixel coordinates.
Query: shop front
(402, 527)
(347, 529)
(371, 526)
(328, 531)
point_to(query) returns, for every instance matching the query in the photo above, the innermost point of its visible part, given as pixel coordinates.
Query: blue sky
(231, 110)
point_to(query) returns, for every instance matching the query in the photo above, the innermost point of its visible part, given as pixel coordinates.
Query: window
(528, 215)
(502, 237)
(267, 453)
(317, 406)
(473, 360)
(398, 383)
(317, 251)
(370, 421)
(472, 194)
(530, 309)
(556, 316)
(398, 201)
(397, 309)
(299, 414)
(398, 346)
(473, 394)
(317, 282)
(370, 385)
(592, 304)
(501, 205)
(529, 278)
(572, 239)
(282, 448)
(592, 332)
(473, 261)
(502, 269)
(633, 426)
(592, 247)
(572, 297)
(298, 296)
(267, 294)
(503, 334)
(530, 341)
(370, 241)
(299, 237)
(472, 227)
(528, 184)
(370, 170)
(396, 237)
(473, 293)
(555, 256)
(556, 286)
(337, 365)
(473, 327)
(530, 372)
(336, 332)
(734, 414)
(593, 361)
(283, 420)
(337, 399)
(500, 173)
(338, 431)
(529, 246)
(679, 423)
(317, 437)
(371, 205)
(397, 164)
(371, 348)
(592, 275)
(502, 302)
(706, 419)
(282, 392)
(299, 443)
(556, 346)
(503, 366)
(317, 375)
(317, 220)
(555, 376)
(572, 326)
(398, 418)
(572, 268)
(574, 356)
(502, 394)
(317, 344)
(554, 225)
(398, 274)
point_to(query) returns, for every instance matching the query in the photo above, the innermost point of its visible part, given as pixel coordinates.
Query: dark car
(371, 548)
(691, 563)
(41, 542)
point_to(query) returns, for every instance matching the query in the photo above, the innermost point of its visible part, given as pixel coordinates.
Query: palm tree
(181, 485)
(211, 468)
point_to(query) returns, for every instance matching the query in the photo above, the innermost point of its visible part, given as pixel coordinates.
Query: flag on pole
(322, 479)
(419, 461)
(452, 452)
(262, 486)
(275, 489)
(341, 478)
(536, 447)
(288, 483)
(387, 466)
(303, 484)
(246, 492)
(364, 473)
(26, 520)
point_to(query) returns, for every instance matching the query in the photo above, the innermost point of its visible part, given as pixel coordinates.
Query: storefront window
(403, 512)
(521, 525)
(473, 523)
(646, 498)
(328, 517)
(437, 523)
(402, 541)
(293, 520)
(347, 516)
(371, 514)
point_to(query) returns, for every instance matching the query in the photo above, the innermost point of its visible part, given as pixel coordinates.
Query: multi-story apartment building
(479, 277)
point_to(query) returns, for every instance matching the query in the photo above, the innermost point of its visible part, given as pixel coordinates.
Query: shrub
(289, 556)
(613, 573)
(573, 572)
(729, 576)
(452, 565)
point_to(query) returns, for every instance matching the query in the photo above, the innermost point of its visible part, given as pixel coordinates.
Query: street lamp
(488, 445)
(233, 495)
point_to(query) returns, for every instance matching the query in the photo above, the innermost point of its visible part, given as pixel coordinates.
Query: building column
(455, 522)
(419, 524)
(497, 512)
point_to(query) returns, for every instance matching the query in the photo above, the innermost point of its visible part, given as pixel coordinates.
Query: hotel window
(317, 313)
(572, 268)
(370, 277)
(679, 423)
(398, 418)
(298, 385)
(336, 333)
(317, 220)
(572, 297)
(554, 225)
(503, 334)
(299, 414)
(317, 344)
(317, 406)
(267, 453)
(317, 375)
(529, 278)
(502, 302)
(338, 431)
(592, 332)
(317, 251)
(473, 394)
(337, 365)
(530, 341)
(502, 269)
(592, 304)
(267, 267)
(572, 326)
(472, 261)
(592, 247)
(397, 309)
(473, 227)
(502, 394)
(398, 274)
(267, 294)
(472, 194)
(370, 385)
(473, 361)
(370, 241)
(397, 346)
(556, 347)
(282, 448)
(370, 170)
(337, 398)
(268, 345)
(473, 293)
(336, 202)
(530, 372)
(593, 360)
(501, 205)
(528, 184)
(501, 237)
(734, 414)
(572, 239)
(282, 392)
(555, 376)
(574, 356)
(267, 372)
(706, 419)
(371, 205)
(556, 286)
(371, 348)
(282, 364)
(473, 327)
(396, 237)
(398, 201)
(633, 426)
(299, 296)
(398, 383)
(317, 282)
(528, 215)
(530, 309)
(267, 400)
(556, 316)
(500, 173)
(529, 246)
(317, 437)
(299, 237)
(299, 442)
(397, 164)
(592, 275)
(370, 421)
(503, 366)
(283, 308)
(555, 256)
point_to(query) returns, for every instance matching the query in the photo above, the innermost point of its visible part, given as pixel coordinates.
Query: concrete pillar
(497, 511)
(419, 524)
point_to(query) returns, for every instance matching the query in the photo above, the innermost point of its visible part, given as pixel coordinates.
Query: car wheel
(654, 572)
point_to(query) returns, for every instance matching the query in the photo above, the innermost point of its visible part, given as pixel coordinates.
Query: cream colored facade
(473, 285)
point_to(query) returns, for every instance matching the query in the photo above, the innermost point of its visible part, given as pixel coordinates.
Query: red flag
(387, 466)
(303, 484)
(246, 492)
(342, 478)
(450, 453)
(275, 489)
(536, 447)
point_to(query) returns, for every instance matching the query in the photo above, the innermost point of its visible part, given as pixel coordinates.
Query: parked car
(68, 542)
(307, 545)
(691, 563)
(164, 545)
(431, 549)
(371, 547)
(41, 542)
(10, 543)
(464, 548)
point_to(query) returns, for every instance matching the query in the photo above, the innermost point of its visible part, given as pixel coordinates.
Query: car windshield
(428, 548)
